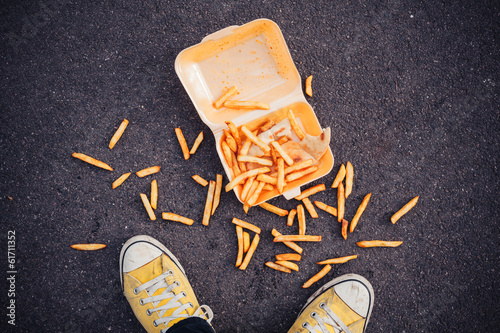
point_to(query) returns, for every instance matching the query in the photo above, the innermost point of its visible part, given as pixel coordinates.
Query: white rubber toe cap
(356, 295)
(138, 255)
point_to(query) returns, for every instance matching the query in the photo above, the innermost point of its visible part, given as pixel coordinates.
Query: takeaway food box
(255, 58)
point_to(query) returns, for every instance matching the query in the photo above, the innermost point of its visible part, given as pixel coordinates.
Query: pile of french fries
(275, 169)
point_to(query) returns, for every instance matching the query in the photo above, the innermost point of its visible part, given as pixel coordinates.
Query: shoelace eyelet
(191, 304)
(135, 291)
(314, 314)
(184, 294)
(322, 305)
(154, 323)
(148, 312)
(141, 301)
(304, 325)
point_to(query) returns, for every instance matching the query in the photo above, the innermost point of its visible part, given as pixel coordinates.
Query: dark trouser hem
(192, 325)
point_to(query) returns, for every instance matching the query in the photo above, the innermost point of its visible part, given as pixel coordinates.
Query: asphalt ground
(409, 89)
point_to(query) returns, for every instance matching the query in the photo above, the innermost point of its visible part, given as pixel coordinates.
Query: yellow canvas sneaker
(342, 305)
(156, 286)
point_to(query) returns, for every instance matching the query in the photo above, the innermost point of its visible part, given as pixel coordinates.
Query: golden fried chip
(257, 160)
(339, 260)
(297, 238)
(310, 208)
(299, 174)
(196, 143)
(326, 208)
(310, 191)
(349, 175)
(291, 217)
(293, 266)
(278, 267)
(309, 86)
(301, 216)
(176, 218)
(148, 171)
(340, 177)
(228, 93)
(120, 180)
(288, 256)
(295, 125)
(291, 245)
(261, 144)
(154, 194)
(317, 277)
(88, 247)
(148, 207)
(218, 188)
(91, 160)
(246, 241)
(379, 243)
(404, 210)
(239, 234)
(208, 203)
(360, 211)
(182, 143)
(245, 175)
(118, 134)
(282, 153)
(234, 131)
(200, 180)
(273, 209)
(340, 202)
(250, 252)
(280, 185)
(246, 225)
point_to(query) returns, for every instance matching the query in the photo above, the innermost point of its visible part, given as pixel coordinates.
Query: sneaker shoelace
(160, 282)
(330, 319)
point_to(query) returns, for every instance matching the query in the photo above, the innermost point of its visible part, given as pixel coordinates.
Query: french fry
(310, 191)
(231, 142)
(182, 143)
(283, 139)
(91, 160)
(246, 146)
(234, 131)
(278, 267)
(154, 194)
(196, 143)
(246, 225)
(299, 174)
(280, 185)
(218, 188)
(252, 159)
(291, 265)
(267, 126)
(340, 202)
(339, 260)
(291, 245)
(245, 175)
(360, 211)
(200, 180)
(295, 125)
(148, 171)
(228, 93)
(297, 238)
(243, 166)
(228, 153)
(246, 241)
(301, 216)
(298, 166)
(267, 179)
(262, 145)
(273, 209)
(246, 188)
(288, 256)
(345, 223)
(309, 86)
(291, 217)
(176, 218)
(379, 243)
(253, 199)
(208, 203)
(250, 252)
(317, 277)
(310, 208)
(120, 180)
(406, 208)
(349, 175)
(246, 207)
(235, 167)
(268, 187)
(251, 191)
(340, 177)
(274, 156)
(118, 134)
(148, 207)
(251, 105)
(282, 153)
(88, 247)
(326, 208)
(239, 234)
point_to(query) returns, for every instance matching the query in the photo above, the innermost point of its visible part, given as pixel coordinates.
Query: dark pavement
(410, 90)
